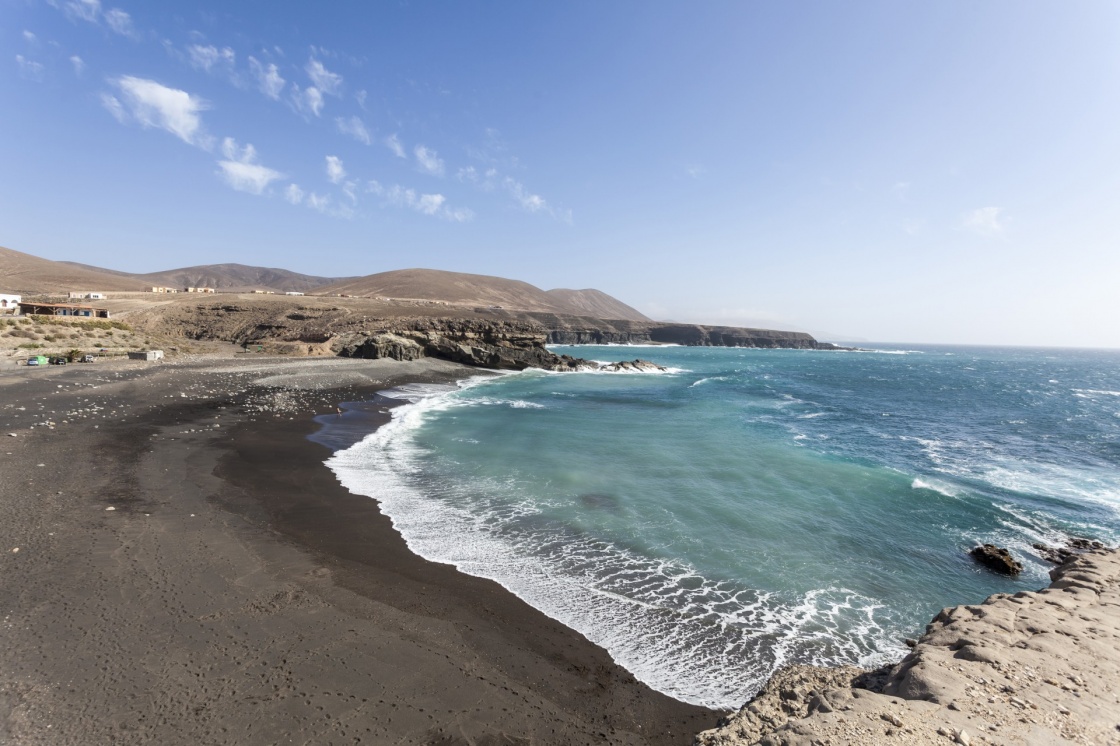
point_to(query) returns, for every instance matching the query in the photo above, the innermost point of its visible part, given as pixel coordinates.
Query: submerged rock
(997, 559)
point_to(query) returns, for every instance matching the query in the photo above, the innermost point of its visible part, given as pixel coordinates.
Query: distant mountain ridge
(483, 290)
(232, 277)
(28, 274)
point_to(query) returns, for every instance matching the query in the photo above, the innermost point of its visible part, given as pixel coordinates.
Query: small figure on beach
(338, 410)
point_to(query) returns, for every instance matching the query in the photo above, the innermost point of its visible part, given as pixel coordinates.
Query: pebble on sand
(110, 508)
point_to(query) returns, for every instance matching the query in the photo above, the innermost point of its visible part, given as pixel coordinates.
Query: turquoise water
(753, 508)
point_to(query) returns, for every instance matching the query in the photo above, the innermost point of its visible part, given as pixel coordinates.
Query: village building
(201, 290)
(9, 303)
(63, 309)
(85, 295)
(156, 289)
(292, 292)
(146, 355)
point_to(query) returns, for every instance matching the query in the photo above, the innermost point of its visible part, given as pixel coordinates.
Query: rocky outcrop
(996, 559)
(494, 339)
(1073, 547)
(1030, 668)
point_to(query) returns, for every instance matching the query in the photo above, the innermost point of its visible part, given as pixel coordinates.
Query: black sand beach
(180, 567)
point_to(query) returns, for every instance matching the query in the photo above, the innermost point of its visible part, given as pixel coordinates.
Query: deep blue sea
(753, 508)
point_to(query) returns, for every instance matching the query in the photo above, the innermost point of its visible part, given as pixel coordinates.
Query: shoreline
(189, 571)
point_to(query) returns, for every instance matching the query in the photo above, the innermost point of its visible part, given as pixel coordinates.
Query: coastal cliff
(1028, 668)
(483, 337)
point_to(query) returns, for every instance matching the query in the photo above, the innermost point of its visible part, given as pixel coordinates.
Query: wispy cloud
(393, 143)
(531, 202)
(354, 127)
(121, 22)
(308, 100)
(242, 171)
(155, 105)
(78, 63)
(986, 221)
(901, 190)
(90, 11)
(324, 204)
(426, 204)
(428, 161)
(335, 172)
(293, 194)
(268, 78)
(326, 81)
(29, 68)
(29, 37)
(209, 58)
(86, 10)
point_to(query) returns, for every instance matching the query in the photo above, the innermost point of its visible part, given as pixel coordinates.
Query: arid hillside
(26, 274)
(230, 277)
(461, 289)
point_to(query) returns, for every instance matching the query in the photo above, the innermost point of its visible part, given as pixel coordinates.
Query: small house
(201, 290)
(9, 303)
(292, 292)
(157, 289)
(85, 295)
(146, 355)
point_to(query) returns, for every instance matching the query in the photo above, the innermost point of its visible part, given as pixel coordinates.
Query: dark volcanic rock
(1074, 546)
(997, 559)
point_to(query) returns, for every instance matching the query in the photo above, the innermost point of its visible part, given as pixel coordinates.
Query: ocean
(750, 508)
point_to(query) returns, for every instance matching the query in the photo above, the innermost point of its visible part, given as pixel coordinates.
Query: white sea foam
(935, 485)
(703, 641)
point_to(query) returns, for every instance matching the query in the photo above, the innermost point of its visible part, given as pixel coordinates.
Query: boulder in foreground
(997, 559)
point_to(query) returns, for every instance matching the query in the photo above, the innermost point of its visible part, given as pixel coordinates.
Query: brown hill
(231, 277)
(482, 290)
(596, 303)
(29, 275)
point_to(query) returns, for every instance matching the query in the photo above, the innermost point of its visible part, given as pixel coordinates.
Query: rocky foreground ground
(1030, 668)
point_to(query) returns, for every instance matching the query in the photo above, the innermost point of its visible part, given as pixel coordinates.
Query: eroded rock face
(1030, 668)
(997, 559)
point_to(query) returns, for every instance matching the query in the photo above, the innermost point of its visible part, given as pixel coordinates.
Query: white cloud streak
(393, 143)
(426, 204)
(210, 57)
(268, 78)
(335, 172)
(354, 127)
(293, 194)
(78, 63)
(428, 161)
(323, 79)
(241, 170)
(170, 109)
(986, 221)
(308, 100)
(29, 68)
(90, 11)
(121, 22)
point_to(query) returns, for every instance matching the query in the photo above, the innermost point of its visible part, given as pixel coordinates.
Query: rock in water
(997, 559)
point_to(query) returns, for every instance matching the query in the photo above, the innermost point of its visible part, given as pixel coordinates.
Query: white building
(292, 292)
(10, 303)
(84, 294)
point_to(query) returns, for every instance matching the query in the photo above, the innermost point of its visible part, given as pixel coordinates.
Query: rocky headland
(482, 337)
(1030, 668)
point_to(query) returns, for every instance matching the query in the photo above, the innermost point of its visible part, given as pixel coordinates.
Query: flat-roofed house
(9, 303)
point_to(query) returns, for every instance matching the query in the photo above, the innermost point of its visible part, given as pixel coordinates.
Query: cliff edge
(1032, 668)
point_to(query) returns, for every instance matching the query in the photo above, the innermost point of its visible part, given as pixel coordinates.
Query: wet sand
(236, 594)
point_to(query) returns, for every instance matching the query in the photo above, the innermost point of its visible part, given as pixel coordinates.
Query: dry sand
(178, 567)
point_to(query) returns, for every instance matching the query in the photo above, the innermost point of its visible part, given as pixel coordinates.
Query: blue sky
(892, 171)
